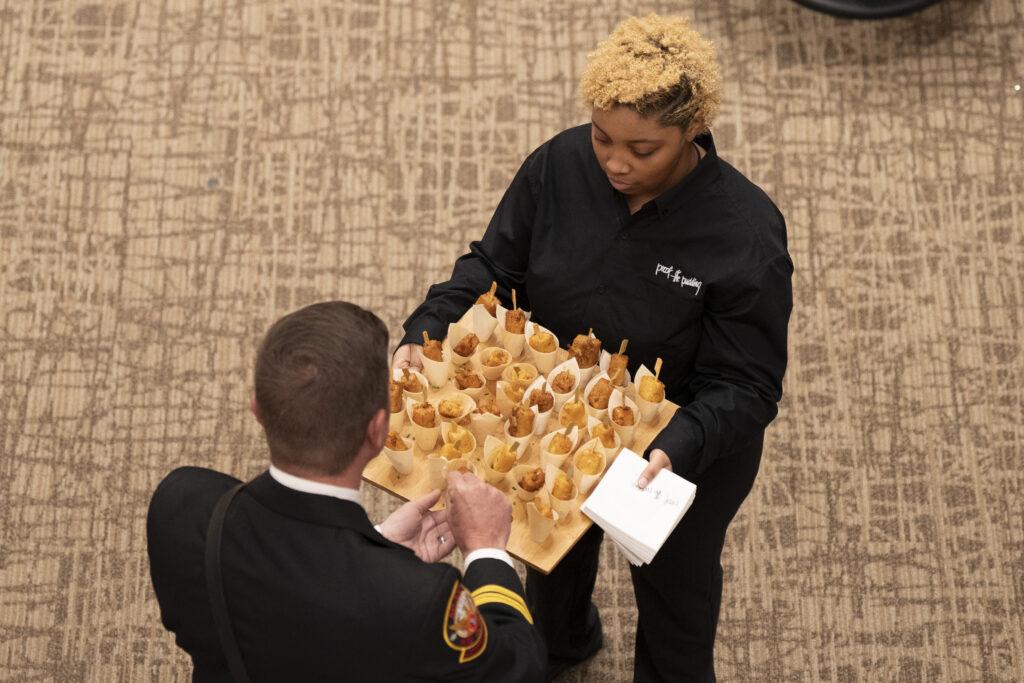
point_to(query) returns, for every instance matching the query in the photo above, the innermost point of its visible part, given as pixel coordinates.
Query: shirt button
(602, 289)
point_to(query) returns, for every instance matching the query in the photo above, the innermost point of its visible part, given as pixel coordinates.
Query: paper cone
(482, 322)
(518, 472)
(585, 481)
(425, 437)
(437, 372)
(591, 410)
(512, 342)
(605, 360)
(396, 420)
(491, 373)
(574, 369)
(527, 371)
(400, 460)
(625, 433)
(648, 410)
(557, 459)
(609, 451)
(541, 526)
(467, 404)
(540, 424)
(564, 508)
(544, 361)
(437, 470)
(456, 332)
(446, 428)
(397, 374)
(492, 475)
(460, 464)
(523, 441)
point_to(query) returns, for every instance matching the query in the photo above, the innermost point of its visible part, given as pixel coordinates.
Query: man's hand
(426, 533)
(408, 356)
(480, 515)
(658, 461)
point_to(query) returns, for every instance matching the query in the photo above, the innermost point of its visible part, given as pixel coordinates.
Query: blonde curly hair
(656, 65)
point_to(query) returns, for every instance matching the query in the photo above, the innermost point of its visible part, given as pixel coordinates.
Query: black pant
(677, 595)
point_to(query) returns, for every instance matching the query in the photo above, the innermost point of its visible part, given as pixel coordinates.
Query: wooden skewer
(590, 333)
(622, 346)
(426, 338)
(514, 306)
(494, 287)
(514, 447)
(657, 368)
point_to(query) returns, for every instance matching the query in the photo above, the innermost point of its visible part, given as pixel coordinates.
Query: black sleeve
(738, 371)
(502, 256)
(505, 647)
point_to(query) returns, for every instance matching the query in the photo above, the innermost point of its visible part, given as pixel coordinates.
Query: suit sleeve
(501, 256)
(738, 371)
(479, 628)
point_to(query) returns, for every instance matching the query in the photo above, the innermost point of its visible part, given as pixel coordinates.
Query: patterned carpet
(174, 176)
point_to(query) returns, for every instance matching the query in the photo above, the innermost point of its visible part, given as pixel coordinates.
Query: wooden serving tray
(542, 557)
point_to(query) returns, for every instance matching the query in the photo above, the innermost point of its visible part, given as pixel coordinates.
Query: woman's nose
(616, 167)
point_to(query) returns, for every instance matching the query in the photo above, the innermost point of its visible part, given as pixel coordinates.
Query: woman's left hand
(658, 461)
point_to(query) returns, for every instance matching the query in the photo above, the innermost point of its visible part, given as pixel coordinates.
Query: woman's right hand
(408, 356)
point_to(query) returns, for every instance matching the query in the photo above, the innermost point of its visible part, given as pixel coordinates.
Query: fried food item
(410, 382)
(532, 481)
(586, 350)
(395, 442)
(515, 321)
(520, 422)
(560, 444)
(467, 345)
(542, 342)
(450, 408)
(432, 348)
(600, 394)
(573, 413)
(542, 507)
(514, 391)
(617, 368)
(523, 374)
(496, 357)
(503, 458)
(542, 399)
(489, 301)
(424, 415)
(623, 416)
(606, 433)
(562, 488)
(563, 381)
(467, 379)
(651, 389)
(589, 461)
(487, 404)
(449, 451)
(460, 438)
(395, 400)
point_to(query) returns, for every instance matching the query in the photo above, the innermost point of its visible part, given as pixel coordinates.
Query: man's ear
(377, 431)
(254, 408)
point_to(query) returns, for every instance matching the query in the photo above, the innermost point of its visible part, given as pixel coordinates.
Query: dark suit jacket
(314, 592)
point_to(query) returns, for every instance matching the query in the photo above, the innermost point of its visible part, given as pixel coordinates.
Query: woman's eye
(644, 154)
(602, 141)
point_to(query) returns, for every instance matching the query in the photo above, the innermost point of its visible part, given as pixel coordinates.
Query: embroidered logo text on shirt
(676, 275)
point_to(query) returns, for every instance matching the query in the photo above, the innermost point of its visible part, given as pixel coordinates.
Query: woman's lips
(619, 185)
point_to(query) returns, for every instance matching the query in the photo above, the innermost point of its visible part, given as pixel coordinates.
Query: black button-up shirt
(699, 276)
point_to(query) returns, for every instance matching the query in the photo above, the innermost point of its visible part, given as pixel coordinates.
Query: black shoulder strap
(215, 587)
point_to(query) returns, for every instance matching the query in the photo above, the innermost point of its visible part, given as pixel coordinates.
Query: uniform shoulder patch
(464, 628)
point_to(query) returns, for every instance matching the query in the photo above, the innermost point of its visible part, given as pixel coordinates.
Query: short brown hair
(657, 66)
(321, 374)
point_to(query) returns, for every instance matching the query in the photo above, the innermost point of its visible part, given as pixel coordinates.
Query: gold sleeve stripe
(493, 593)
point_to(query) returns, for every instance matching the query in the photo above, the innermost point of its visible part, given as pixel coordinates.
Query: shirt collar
(315, 487)
(705, 170)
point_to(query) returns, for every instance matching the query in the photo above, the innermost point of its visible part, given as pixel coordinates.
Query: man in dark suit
(306, 588)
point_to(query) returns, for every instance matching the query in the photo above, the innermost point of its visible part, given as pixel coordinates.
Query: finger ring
(440, 540)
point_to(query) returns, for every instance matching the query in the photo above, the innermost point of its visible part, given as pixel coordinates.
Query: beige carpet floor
(176, 175)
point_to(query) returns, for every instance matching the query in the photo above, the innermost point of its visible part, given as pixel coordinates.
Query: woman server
(633, 225)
